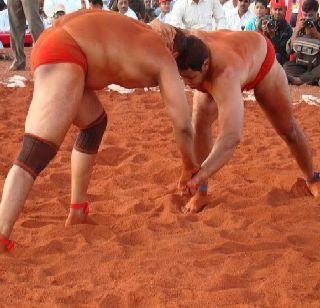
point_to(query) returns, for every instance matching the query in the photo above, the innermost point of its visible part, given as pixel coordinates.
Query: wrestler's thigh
(58, 90)
(272, 93)
(204, 109)
(89, 110)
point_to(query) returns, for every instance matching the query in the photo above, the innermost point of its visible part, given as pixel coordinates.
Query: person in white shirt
(204, 15)
(70, 5)
(238, 18)
(230, 5)
(4, 21)
(123, 7)
(165, 14)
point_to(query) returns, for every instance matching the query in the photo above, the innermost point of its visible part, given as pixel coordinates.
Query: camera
(266, 21)
(307, 22)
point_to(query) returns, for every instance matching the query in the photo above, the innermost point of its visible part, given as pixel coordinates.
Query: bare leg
(57, 87)
(204, 113)
(81, 163)
(273, 96)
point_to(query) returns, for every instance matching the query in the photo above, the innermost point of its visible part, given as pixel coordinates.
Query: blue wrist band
(203, 188)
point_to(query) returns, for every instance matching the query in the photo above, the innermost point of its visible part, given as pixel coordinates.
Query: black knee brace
(89, 138)
(35, 154)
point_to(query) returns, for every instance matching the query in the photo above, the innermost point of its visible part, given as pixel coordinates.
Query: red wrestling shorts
(265, 67)
(55, 45)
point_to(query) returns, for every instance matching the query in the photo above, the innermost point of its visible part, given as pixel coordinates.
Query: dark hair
(95, 2)
(310, 5)
(263, 2)
(192, 52)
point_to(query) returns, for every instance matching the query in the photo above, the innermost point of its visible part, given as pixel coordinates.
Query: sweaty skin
(235, 60)
(118, 50)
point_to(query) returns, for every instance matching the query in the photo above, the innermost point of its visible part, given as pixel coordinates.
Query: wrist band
(203, 188)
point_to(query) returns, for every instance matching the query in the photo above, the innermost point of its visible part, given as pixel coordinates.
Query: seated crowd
(297, 50)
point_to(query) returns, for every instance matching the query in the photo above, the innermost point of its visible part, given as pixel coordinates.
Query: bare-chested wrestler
(83, 52)
(220, 65)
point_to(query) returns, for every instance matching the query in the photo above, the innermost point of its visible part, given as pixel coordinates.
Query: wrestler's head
(192, 57)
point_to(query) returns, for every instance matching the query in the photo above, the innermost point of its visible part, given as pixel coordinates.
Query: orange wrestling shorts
(55, 45)
(265, 67)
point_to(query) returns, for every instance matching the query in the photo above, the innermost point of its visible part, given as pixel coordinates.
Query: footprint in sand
(60, 179)
(278, 197)
(32, 224)
(212, 223)
(141, 208)
(112, 156)
(111, 300)
(131, 238)
(139, 158)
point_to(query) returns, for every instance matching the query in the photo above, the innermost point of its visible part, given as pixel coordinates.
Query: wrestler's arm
(230, 105)
(173, 95)
(166, 31)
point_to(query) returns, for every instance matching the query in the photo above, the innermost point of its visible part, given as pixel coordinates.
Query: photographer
(276, 28)
(305, 44)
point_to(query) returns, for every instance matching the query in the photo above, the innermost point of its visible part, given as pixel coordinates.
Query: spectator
(198, 14)
(260, 10)
(70, 5)
(306, 31)
(123, 8)
(238, 19)
(96, 4)
(149, 14)
(165, 11)
(59, 11)
(277, 29)
(230, 5)
(19, 12)
(137, 6)
(147, 4)
(2, 5)
(4, 21)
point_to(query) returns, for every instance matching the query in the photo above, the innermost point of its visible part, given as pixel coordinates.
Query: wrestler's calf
(35, 154)
(89, 138)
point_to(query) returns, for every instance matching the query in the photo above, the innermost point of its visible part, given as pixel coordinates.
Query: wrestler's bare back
(118, 49)
(235, 55)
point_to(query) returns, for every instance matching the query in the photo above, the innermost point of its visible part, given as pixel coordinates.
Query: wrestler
(83, 52)
(220, 65)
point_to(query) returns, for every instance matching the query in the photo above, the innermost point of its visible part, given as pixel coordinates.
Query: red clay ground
(256, 244)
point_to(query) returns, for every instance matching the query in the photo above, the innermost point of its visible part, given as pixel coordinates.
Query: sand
(255, 245)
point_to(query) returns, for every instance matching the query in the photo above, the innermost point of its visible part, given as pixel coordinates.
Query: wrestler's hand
(194, 183)
(185, 177)
(166, 32)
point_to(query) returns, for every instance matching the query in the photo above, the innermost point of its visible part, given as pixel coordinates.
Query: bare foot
(77, 217)
(3, 249)
(196, 203)
(5, 245)
(313, 188)
(303, 188)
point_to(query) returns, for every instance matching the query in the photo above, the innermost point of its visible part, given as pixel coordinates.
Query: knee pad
(89, 138)
(35, 154)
